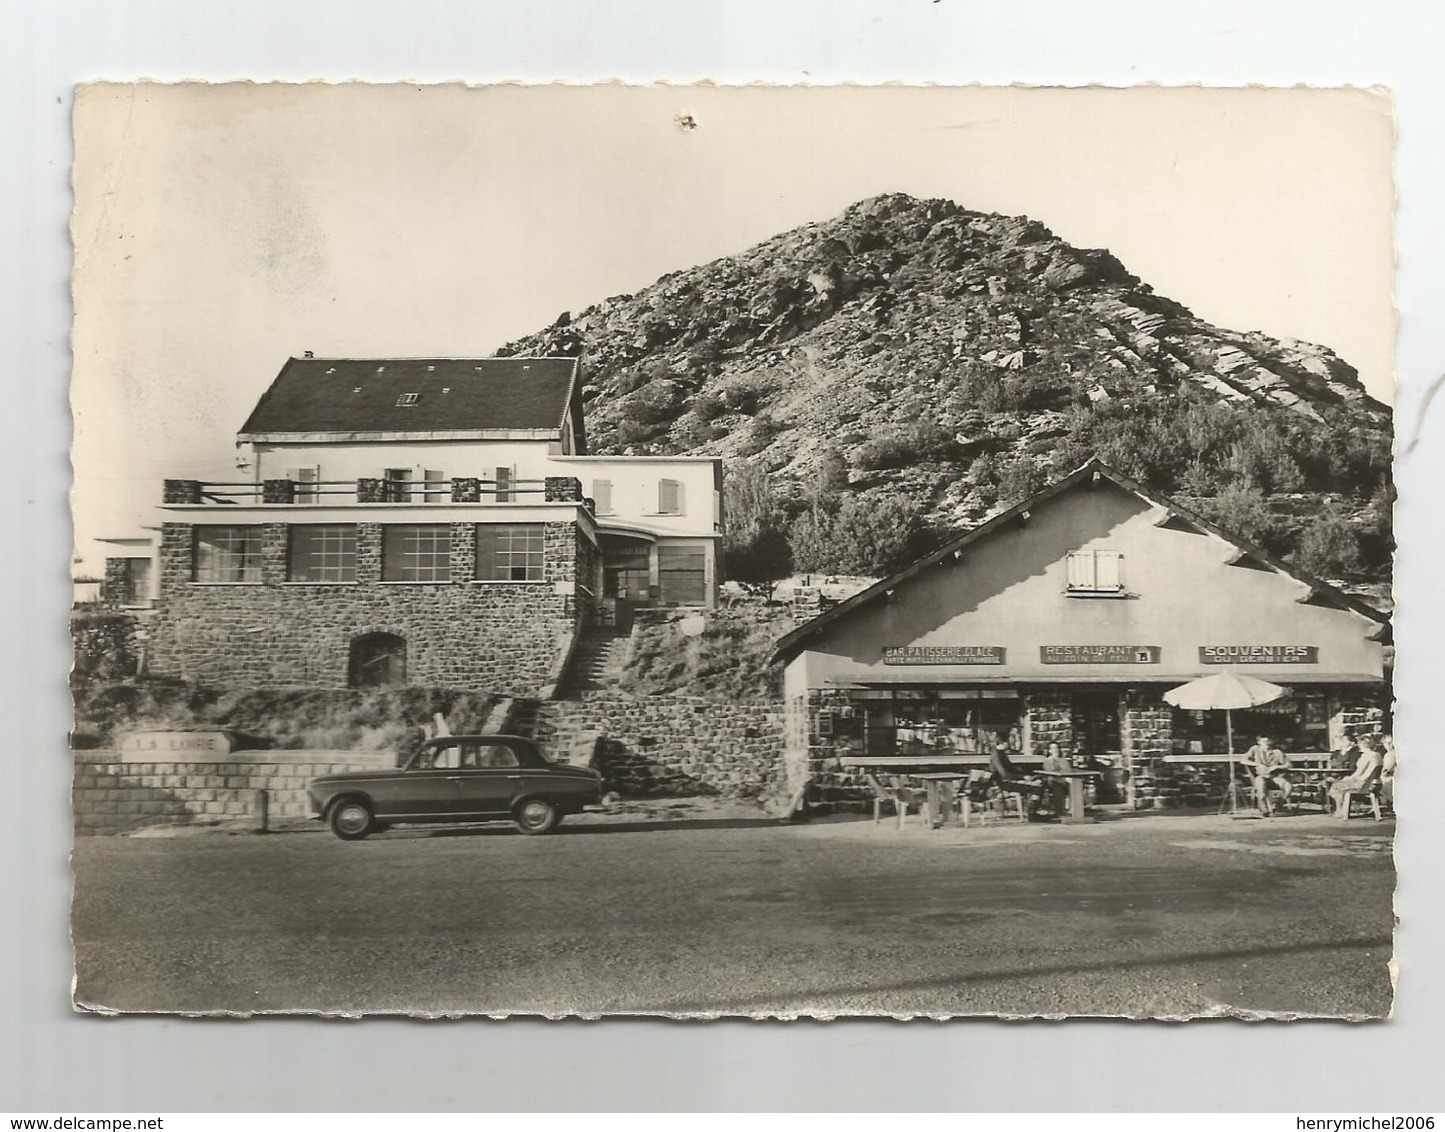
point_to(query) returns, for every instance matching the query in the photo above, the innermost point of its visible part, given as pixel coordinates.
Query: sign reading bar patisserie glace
(943, 654)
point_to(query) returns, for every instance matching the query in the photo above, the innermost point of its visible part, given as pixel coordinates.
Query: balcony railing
(371, 490)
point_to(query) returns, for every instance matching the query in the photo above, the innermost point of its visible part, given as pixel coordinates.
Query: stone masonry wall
(828, 782)
(501, 637)
(1147, 725)
(649, 746)
(109, 796)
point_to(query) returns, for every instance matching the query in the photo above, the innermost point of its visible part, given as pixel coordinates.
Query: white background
(52, 1061)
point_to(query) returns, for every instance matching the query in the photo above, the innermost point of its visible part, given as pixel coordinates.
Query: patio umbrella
(1224, 691)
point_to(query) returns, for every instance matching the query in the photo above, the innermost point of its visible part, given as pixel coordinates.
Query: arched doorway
(378, 660)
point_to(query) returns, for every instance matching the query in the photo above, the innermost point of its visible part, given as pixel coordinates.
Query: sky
(220, 229)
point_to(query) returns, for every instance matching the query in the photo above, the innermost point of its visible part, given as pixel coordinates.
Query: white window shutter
(669, 497)
(1081, 571)
(1106, 570)
(602, 496)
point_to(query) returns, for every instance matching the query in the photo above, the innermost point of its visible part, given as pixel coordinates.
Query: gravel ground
(701, 909)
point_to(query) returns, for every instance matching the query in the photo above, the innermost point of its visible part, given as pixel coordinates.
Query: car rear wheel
(537, 815)
(351, 819)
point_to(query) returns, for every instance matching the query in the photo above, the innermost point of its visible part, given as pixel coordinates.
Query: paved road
(1167, 916)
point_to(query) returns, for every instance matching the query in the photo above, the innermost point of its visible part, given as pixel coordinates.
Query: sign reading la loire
(943, 654)
(1259, 654)
(1099, 654)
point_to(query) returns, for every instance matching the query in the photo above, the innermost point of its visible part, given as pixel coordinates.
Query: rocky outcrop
(987, 328)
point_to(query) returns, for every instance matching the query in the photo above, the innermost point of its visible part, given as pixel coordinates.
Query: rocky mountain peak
(946, 333)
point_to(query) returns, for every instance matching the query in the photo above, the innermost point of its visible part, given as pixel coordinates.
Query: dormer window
(1095, 573)
(407, 399)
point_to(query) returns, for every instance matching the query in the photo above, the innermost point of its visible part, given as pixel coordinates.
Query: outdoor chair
(992, 804)
(1371, 796)
(900, 797)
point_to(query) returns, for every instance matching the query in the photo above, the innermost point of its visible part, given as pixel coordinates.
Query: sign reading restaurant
(1099, 654)
(943, 654)
(1259, 654)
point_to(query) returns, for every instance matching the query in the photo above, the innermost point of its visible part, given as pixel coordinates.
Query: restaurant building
(1064, 619)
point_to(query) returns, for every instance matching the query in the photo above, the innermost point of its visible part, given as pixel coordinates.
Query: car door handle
(455, 778)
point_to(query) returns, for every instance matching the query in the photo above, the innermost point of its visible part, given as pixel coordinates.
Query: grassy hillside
(726, 661)
(370, 719)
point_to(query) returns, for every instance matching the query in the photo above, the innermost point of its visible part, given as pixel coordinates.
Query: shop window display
(928, 723)
(1297, 722)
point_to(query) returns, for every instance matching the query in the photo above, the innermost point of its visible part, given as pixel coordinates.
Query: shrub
(103, 643)
(1328, 548)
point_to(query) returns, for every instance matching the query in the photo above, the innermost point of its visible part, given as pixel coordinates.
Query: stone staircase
(596, 663)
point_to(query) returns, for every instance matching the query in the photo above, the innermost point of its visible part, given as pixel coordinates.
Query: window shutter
(602, 496)
(305, 480)
(432, 478)
(1106, 570)
(1081, 571)
(504, 485)
(397, 488)
(669, 497)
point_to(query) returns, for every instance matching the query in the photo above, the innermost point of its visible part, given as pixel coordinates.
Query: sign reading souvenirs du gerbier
(943, 654)
(1099, 654)
(1259, 654)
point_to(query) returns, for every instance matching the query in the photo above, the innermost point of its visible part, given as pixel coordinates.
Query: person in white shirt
(1269, 766)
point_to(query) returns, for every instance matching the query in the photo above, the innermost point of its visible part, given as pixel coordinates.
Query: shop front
(1063, 622)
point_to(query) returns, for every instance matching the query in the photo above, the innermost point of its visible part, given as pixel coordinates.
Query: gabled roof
(1320, 592)
(465, 395)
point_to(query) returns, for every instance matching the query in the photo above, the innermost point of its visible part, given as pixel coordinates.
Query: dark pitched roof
(1321, 592)
(319, 395)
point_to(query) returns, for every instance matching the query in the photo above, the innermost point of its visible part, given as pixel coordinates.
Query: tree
(755, 549)
(870, 537)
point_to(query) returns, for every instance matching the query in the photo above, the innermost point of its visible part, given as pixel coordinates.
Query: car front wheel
(537, 815)
(351, 819)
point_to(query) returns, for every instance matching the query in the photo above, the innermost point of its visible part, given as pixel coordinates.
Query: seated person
(1387, 771)
(1056, 762)
(1348, 754)
(1009, 779)
(1269, 766)
(1364, 777)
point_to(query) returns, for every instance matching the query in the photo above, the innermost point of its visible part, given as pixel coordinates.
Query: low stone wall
(110, 796)
(650, 746)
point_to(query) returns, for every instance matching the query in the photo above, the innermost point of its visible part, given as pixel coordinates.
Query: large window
(1094, 572)
(228, 554)
(682, 575)
(322, 553)
(420, 553)
(945, 722)
(1297, 722)
(509, 552)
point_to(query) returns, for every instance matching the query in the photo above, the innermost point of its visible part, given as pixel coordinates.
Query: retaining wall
(674, 745)
(111, 796)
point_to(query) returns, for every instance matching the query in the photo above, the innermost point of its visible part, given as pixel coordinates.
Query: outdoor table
(1076, 778)
(941, 788)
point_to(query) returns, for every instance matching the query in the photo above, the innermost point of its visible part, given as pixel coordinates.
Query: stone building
(1063, 620)
(422, 521)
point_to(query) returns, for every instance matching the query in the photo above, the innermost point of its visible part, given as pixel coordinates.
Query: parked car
(457, 778)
